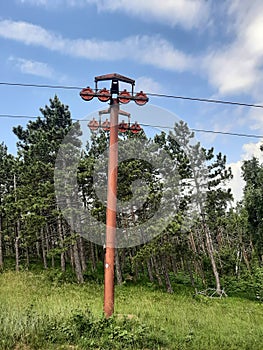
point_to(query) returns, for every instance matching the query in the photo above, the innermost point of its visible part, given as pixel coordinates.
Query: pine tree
(6, 171)
(38, 148)
(253, 203)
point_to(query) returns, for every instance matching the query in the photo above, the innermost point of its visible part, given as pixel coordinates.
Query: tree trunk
(243, 251)
(93, 256)
(74, 223)
(27, 257)
(44, 257)
(193, 247)
(17, 253)
(17, 231)
(123, 259)
(38, 249)
(82, 254)
(192, 242)
(245, 257)
(190, 273)
(118, 267)
(210, 249)
(17, 239)
(62, 261)
(157, 271)
(174, 266)
(77, 263)
(149, 268)
(238, 261)
(1, 245)
(71, 256)
(132, 252)
(166, 276)
(52, 247)
(46, 233)
(61, 243)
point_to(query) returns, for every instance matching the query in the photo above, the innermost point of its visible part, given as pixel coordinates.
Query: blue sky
(198, 48)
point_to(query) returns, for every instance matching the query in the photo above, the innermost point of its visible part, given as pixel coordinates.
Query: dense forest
(219, 251)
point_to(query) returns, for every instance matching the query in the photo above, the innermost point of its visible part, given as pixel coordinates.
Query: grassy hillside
(37, 312)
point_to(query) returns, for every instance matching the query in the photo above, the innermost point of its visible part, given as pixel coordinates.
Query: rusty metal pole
(104, 95)
(111, 211)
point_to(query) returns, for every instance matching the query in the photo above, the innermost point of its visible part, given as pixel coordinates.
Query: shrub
(82, 329)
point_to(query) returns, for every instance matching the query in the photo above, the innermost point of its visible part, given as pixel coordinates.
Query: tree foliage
(204, 240)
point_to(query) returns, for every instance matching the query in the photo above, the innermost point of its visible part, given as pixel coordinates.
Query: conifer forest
(215, 252)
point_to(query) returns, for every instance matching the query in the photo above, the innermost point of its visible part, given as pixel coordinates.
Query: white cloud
(252, 150)
(237, 67)
(256, 117)
(151, 50)
(159, 53)
(29, 34)
(52, 3)
(148, 85)
(32, 67)
(186, 13)
(34, 2)
(237, 183)
(232, 71)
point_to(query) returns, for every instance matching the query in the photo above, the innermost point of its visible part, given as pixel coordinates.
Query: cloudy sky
(195, 48)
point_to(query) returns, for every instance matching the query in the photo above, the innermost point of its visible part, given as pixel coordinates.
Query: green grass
(36, 313)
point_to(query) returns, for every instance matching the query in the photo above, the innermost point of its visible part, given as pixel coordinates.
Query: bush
(247, 285)
(82, 329)
(57, 277)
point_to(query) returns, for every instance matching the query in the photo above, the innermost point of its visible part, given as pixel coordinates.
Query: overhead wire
(209, 131)
(149, 125)
(46, 86)
(188, 98)
(198, 99)
(208, 100)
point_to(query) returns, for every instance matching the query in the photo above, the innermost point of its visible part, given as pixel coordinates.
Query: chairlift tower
(115, 98)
